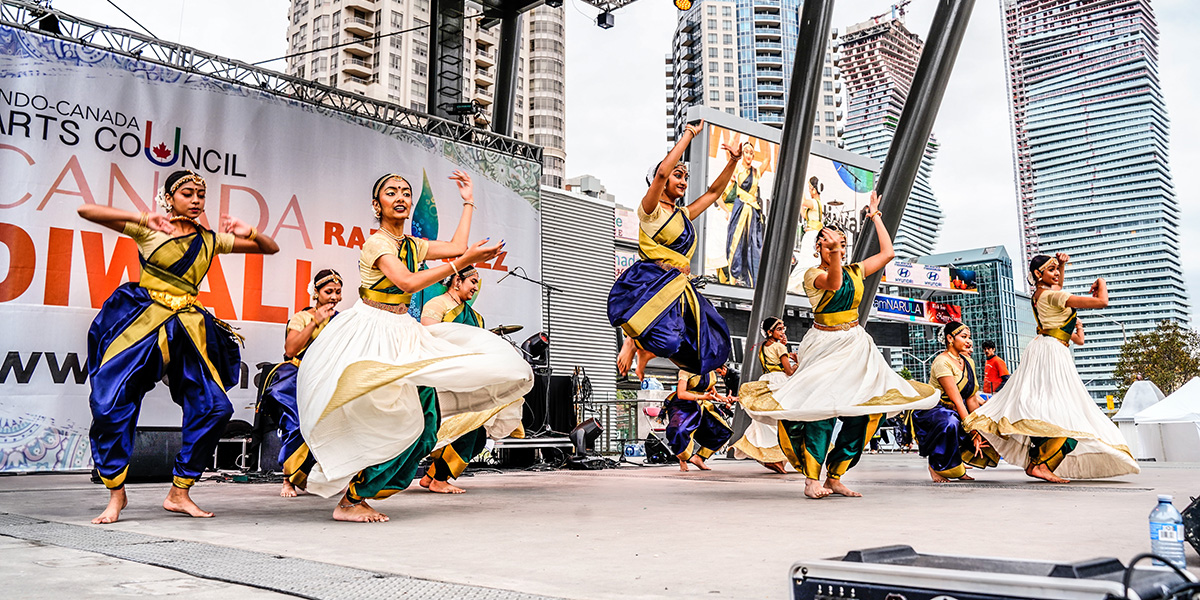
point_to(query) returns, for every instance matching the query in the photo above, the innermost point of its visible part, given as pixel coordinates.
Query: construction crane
(896, 13)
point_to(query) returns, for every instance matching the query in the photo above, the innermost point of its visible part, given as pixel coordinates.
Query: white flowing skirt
(761, 440)
(1046, 398)
(838, 374)
(357, 386)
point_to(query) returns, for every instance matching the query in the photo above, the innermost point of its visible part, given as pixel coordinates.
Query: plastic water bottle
(1166, 532)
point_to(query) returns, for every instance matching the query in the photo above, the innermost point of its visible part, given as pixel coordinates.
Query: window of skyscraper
(827, 85)
(714, 81)
(729, 97)
(712, 9)
(729, 109)
(712, 52)
(729, 53)
(816, 130)
(830, 131)
(828, 100)
(397, 20)
(712, 38)
(829, 115)
(827, 72)
(714, 66)
(729, 67)
(728, 82)
(714, 95)
(727, 38)
(727, 25)
(712, 23)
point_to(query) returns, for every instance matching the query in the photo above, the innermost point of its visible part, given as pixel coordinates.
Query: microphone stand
(520, 273)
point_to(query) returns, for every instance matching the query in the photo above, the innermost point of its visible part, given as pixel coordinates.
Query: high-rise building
(1090, 149)
(998, 313)
(737, 56)
(396, 68)
(878, 60)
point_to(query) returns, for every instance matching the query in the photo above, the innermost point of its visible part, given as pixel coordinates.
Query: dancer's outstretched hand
(465, 188)
(478, 252)
(234, 225)
(161, 223)
(735, 152)
(323, 312)
(1063, 258)
(874, 203)
(695, 128)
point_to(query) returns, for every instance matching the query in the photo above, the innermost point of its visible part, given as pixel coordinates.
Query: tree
(1169, 356)
(905, 373)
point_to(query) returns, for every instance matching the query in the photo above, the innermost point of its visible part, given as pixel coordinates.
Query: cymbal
(834, 203)
(506, 329)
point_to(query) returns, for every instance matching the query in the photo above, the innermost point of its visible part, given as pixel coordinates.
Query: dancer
(462, 437)
(155, 327)
(812, 215)
(371, 386)
(744, 236)
(654, 301)
(278, 392)
(695, 431)
(839, 372)
(1043, 418)
(939, 429)
(761, 440)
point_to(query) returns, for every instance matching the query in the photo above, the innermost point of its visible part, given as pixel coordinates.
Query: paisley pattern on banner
(32, 442)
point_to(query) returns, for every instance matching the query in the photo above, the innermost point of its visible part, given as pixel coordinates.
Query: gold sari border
(1032, 428)
(365, 376)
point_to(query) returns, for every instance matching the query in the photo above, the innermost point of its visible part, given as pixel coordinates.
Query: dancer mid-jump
(1044, 419)
(654, 300)
(155, 327)
(840, 373)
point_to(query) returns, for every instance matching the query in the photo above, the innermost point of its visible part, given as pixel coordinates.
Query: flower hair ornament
(172, 185)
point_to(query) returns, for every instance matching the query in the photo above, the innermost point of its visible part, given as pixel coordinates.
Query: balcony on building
(771, 102)
(771, 118)
(690, 66)
(769, 5)
(768, 33)
(768, 46)
(690, 49)
(360, 47)
(768, 59)
(484, 96)
(766, 17)
(357, 85)
(358, 26)
(364, 5)
(690, 25)
(769, 74)
(484, 76)
(770, 89)
(484, 56)
(357, 67)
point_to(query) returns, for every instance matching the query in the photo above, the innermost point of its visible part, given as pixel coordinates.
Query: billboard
(837, 190)
(81, 125)
(930, 277)
(626, 224)
(920, 312)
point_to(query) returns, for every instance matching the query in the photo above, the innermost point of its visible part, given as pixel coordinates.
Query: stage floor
(634, 532)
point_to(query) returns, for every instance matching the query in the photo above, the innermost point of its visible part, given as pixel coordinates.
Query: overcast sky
(616, 99)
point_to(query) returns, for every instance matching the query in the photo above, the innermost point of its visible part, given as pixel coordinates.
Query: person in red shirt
(995, 370)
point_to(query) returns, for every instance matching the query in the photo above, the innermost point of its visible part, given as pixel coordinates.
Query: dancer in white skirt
(761, 441)
(840, 373)
(370, 387)
(1044, 419)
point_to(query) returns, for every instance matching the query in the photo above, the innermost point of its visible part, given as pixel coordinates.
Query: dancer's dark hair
(769, 323)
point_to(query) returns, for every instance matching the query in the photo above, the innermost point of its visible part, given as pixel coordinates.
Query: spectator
(995, 370)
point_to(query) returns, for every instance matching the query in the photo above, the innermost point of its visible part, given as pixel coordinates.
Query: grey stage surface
(629, 533)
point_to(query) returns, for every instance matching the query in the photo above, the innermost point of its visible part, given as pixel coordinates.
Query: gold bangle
(253, 234)
(471, 204)
(144, 219)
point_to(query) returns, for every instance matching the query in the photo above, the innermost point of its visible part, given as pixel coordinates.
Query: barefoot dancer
(654, 301)
(839, 372)
(278, 393)
(462, 437)
(370, 386)
(694, 429)
(1043, 418)
(155, 327)
(939, 429)
(761, 440)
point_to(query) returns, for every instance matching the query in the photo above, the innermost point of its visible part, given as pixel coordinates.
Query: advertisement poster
(930, 277)
(835, 195)
(920, 312)
(85, 126)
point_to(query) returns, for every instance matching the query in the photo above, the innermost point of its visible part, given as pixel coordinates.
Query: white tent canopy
(1140, 396)
(1170, 430)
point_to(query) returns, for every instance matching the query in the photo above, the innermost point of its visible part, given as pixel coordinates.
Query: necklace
(394, 237)
(194, 223)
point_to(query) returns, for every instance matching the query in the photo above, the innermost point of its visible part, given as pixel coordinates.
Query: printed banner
(921, 312)
(624, 260)
(86, 126)
(626, 224)
(930, 277)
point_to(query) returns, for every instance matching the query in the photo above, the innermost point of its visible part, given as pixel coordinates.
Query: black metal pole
(784, 218)
(506, 74)
(912, 132)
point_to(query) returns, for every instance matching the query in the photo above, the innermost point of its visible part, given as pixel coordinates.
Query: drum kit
(845, 220)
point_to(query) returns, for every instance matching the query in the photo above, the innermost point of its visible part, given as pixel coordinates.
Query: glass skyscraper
(878, 61)
(1090, 136)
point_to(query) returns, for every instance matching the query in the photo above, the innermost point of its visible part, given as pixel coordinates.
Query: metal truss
(30, 16)
(609, 5)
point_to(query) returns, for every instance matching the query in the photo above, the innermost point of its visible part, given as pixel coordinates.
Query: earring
(816, 255)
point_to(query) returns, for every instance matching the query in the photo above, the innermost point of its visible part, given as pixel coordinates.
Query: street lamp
(1124, 339)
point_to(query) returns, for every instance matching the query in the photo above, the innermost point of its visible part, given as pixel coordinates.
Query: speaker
(584, 436)
(548, 404)
(1191, 524)
(153, 457)
(657, 452)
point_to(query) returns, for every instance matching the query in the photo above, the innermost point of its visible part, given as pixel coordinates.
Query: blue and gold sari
(744, 236)
(694, 427)
(156, 327)
(656, 304)
(940, 434)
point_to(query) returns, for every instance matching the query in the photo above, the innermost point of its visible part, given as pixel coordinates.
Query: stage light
(604, 20)
(584, 435)
(554, 3)
(683, 4)
(463, 108)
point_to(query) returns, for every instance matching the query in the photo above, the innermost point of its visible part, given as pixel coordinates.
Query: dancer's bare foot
(1043, 472)
(625, 357)
(683, 465)
(117, 501)
(697, 460)
(966, 477)
(643, 359)
(813, 489)
(357, 513)
(287, 490)
(836, 486)
(179, 501)
(440, 487)
(777, 467)
(937, 477)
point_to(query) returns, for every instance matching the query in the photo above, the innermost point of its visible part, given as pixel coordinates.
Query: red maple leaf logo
(161, 151)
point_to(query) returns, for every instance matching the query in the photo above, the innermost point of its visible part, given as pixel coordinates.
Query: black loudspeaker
(153, 458)
(657, 452)
(548, 405)
(268, 452)
(1191, 524)
(584, 436)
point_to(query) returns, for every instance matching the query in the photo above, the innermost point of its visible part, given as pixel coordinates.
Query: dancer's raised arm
(457, 245)
(886, 253)
(659, 183)
(397, 272)
(697, 208)
(831, 245)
